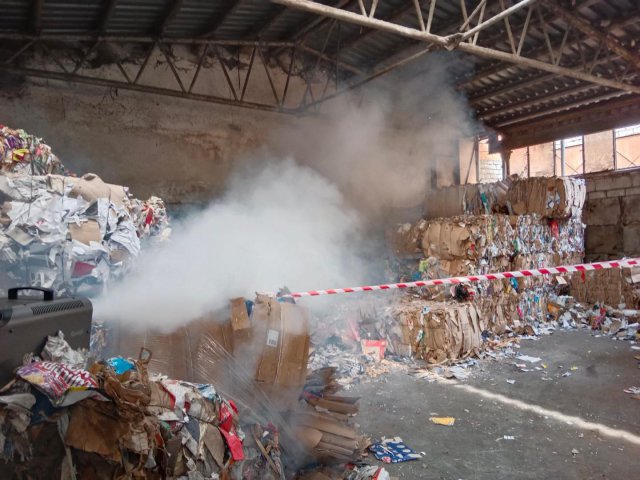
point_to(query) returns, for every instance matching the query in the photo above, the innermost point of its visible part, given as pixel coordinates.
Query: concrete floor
(474, 448)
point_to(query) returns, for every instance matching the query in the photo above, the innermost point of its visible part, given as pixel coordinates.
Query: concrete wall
(180, 150)
(184, 151)
(612, 215)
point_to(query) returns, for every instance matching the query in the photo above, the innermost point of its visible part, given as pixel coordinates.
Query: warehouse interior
(182, 180)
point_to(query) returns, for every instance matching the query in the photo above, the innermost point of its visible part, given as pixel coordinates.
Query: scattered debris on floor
(446, 421)
(393, 450)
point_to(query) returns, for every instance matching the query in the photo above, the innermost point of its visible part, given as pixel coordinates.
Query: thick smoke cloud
(385, 144)
(309, 221)
(278, 224)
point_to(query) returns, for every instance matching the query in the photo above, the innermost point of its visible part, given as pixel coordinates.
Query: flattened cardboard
(308, 437)
(239, 315)
(86, 232)
(92, 430)
(90, 187)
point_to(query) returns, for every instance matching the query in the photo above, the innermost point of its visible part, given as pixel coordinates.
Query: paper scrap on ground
(393, 450)
(529, 359)
(446, 421)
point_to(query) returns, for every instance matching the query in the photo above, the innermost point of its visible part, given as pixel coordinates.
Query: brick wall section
(490, 169)
(612, 215)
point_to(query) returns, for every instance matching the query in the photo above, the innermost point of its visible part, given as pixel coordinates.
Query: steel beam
(316, 22)
(510, 88)
(451, 43)
(496, 18)
(354, 40)
(69, 77)
(593, 118)
(538, 53)
(611, 42)
(449, 29)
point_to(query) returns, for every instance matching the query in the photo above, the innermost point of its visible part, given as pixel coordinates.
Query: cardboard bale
(441, 331)
(550, 197)
(469, 199)
(612, 287)
(457, 245)
(406, 239)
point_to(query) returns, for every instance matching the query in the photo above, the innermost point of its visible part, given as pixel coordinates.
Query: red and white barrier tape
(585, 267)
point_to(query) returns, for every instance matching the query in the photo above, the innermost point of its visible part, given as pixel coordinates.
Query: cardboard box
(272, 345)
(279, 349)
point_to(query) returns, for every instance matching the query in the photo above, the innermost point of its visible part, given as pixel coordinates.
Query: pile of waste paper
(72, 234)
(258, 353)
(619, 323)
(111, 419)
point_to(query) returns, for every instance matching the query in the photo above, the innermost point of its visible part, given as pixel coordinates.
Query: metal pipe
(615, 150)
(585, 27)
(562, 158)
(450, 42)
(67, 77)
(496, 18)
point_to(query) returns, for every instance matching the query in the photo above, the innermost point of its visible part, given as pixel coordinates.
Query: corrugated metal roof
(362, 48)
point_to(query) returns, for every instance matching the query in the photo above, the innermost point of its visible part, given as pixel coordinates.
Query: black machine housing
(26, 321)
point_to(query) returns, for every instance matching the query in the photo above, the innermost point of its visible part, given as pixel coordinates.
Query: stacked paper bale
(618, 288)
(64, 232)
(439, 331)
(538, 224)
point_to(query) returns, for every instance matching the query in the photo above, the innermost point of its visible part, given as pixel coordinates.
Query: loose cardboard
(95, 427)
(334, 406)
(90, 187)
(324, 424)
(85, 232)
(308, 437)
(239, 315)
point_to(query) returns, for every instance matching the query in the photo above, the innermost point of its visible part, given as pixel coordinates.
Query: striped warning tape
(585, 267)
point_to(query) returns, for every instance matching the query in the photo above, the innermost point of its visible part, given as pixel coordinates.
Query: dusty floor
(606, 435)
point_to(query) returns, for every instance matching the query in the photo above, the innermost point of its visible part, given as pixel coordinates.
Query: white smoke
(306, 227)
(385, 144)
(278, 224)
